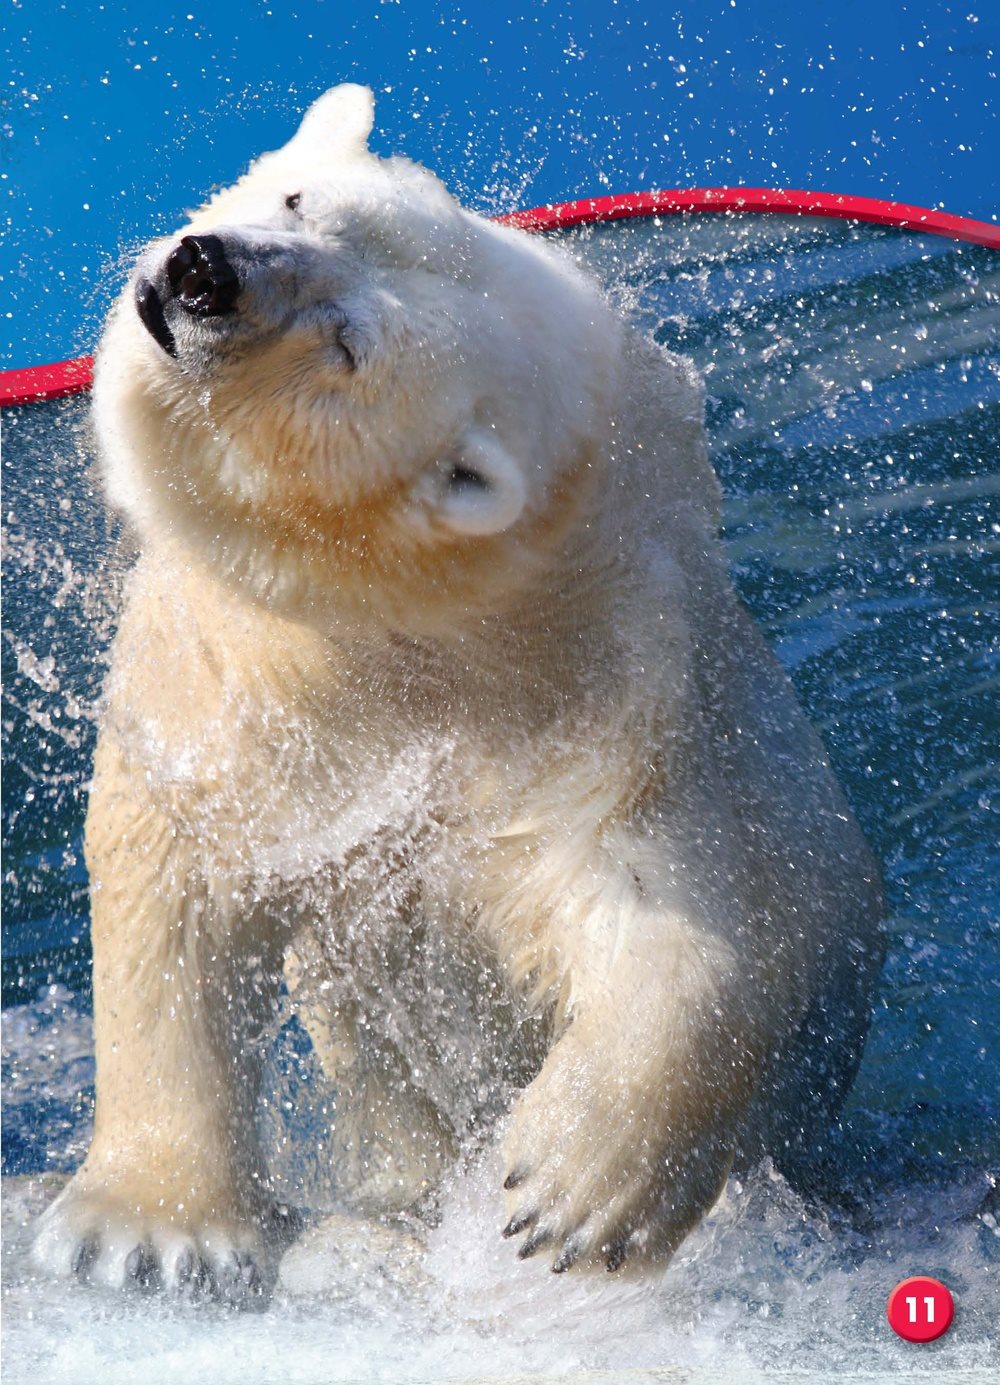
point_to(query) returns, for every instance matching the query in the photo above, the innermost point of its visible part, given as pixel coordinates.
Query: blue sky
(121, 114)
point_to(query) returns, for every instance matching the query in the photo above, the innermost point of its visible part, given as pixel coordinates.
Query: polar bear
(430, 686)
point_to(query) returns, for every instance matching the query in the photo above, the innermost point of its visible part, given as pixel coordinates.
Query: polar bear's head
(344, 391)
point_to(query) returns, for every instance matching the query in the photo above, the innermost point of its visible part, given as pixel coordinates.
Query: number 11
(928, 1304)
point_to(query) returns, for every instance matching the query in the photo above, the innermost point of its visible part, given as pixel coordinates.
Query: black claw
(535, 1241)
(226, 1286)
(141, 1267)
(567, 1257)
(518, 1222)
(238, 1280)
(84, 1256)
(193, 1275)
(185, 1268)
(515, 1177)
(200, 1282)
(616, 1256)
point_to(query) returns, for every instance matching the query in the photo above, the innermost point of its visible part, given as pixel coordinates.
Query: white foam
(765, 1286)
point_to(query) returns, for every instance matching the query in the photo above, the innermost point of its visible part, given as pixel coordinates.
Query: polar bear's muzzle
(221, 290)
(198, 277)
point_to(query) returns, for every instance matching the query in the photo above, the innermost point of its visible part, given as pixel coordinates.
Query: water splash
(854, 410)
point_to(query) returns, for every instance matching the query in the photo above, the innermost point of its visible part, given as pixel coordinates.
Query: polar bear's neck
(558, 649)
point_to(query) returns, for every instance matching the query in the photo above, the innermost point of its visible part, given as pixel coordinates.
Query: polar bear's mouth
(149, 306)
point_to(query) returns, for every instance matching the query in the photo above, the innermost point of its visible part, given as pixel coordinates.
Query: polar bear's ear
(477, 490)
(337, 125)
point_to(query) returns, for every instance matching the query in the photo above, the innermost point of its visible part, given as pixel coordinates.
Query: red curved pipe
(38, 383)
(783, 201)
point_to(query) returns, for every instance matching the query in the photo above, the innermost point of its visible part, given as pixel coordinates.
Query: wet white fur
(506, 766)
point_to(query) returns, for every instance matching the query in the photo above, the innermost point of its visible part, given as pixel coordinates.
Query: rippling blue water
(853, 377)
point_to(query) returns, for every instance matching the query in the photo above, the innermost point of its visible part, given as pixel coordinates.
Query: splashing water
(854, 409)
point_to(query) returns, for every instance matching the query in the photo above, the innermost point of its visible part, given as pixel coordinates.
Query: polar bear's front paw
(105, 1237)
(597, 1172)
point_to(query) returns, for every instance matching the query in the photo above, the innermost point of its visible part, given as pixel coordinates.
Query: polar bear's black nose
(203, 281)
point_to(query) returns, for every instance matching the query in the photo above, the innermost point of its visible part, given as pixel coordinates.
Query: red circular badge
(920, 1309)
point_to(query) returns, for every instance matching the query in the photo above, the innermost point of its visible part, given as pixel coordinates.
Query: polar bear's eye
(463, 478)
(292, 201)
